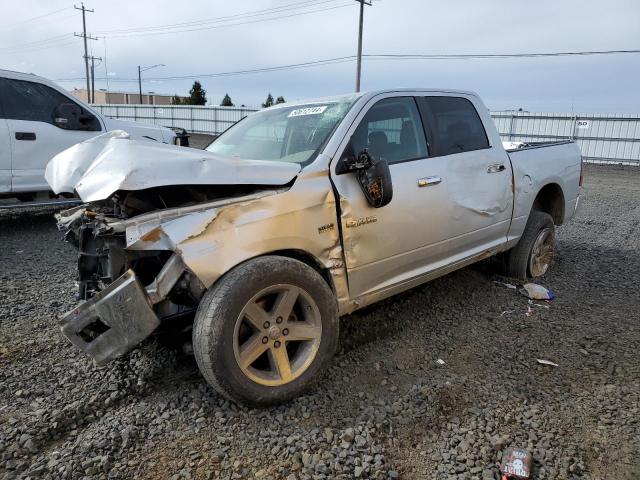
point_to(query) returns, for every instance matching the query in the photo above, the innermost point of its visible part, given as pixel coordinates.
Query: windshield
(287, 134)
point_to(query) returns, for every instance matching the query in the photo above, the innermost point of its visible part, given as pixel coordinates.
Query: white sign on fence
(583, 123)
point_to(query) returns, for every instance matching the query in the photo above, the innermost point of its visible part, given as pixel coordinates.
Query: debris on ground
(440, 361)
(516, 464)
(541, 305)
(536, 292)
(508, 285)
(546, 362)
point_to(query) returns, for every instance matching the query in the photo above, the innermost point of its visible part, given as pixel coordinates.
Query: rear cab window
(453, 125)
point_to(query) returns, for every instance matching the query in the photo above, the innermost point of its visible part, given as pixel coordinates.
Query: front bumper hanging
(113, 321)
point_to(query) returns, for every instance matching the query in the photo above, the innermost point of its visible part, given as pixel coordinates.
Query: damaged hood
(99, 167)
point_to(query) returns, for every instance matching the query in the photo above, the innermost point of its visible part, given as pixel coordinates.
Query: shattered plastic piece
(529, 311)
(440, 361)
(546, 362)
(516, 464)
(536, 292)
(534, 304)
(508, 285)
(506, 312)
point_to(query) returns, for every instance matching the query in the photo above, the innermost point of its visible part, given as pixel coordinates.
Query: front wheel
(266, 330)
(533, 254)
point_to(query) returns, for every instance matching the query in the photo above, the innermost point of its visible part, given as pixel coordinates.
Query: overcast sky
(327, 30)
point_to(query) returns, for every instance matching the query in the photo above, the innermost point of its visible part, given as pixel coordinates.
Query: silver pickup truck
(297, 215)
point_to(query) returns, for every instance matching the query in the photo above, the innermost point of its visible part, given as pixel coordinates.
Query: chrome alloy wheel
(277, 335)
(542, 252)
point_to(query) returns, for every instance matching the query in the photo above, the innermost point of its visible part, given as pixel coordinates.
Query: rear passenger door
(30, 111)
(475, 174)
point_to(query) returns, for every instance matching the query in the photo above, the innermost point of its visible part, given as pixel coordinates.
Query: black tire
(517, 260)
(214, 328)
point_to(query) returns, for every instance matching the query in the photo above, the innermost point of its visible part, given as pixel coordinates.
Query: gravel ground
(385, 409)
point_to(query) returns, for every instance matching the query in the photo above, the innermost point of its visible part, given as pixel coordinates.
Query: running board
(46, 203)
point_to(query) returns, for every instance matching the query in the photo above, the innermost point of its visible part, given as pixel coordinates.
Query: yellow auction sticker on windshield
(308, 111)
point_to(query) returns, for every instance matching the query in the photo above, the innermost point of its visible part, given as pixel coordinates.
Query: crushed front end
(127, 293)
(150, 231)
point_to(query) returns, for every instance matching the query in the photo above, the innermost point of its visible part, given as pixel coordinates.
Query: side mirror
(67, 116)
(373, 176)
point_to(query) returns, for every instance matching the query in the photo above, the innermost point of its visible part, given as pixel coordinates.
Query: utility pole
(143, 69)
(92, 97)
(140, 84)
(85, 37)
(359, 61)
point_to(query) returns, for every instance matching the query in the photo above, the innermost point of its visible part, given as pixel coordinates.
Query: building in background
(105, 98)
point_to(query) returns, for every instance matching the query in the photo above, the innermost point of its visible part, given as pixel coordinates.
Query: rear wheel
(535, 251)
(266, 330)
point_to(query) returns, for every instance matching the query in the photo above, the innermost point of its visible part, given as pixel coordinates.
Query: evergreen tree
(226, 101)
(280, 100)
(176, 100)
(197, 95)
(268, 102)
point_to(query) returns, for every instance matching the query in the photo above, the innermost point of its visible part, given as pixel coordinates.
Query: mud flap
(112, 322)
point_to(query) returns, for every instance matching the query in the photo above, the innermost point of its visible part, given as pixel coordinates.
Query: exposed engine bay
(149, 285)
(139, 261)
(98, 232)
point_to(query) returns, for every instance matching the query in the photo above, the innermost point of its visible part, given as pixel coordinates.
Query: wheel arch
(306, 258)
(550, 199)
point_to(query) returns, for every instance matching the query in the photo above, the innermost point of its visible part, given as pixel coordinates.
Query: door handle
(428, 181)
(498, 167)
(25, 136)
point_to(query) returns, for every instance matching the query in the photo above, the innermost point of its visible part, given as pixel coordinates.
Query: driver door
(30, 112)
(393, 245)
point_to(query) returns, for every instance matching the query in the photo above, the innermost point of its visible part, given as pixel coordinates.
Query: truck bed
(537, 166)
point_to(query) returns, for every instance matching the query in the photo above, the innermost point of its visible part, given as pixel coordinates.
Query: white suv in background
(38, 120)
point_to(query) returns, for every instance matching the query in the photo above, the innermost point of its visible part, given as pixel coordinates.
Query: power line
(29, 50)
(145, 34)
(336, 60)
(237, 72)
(44, 41)
(51, 41)
(20, 22)
(493, 55)
(253, 13)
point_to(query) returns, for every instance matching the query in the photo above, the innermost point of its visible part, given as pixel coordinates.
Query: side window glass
(456, 125)
(391, 130)
(3, 88)
(35, 102)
